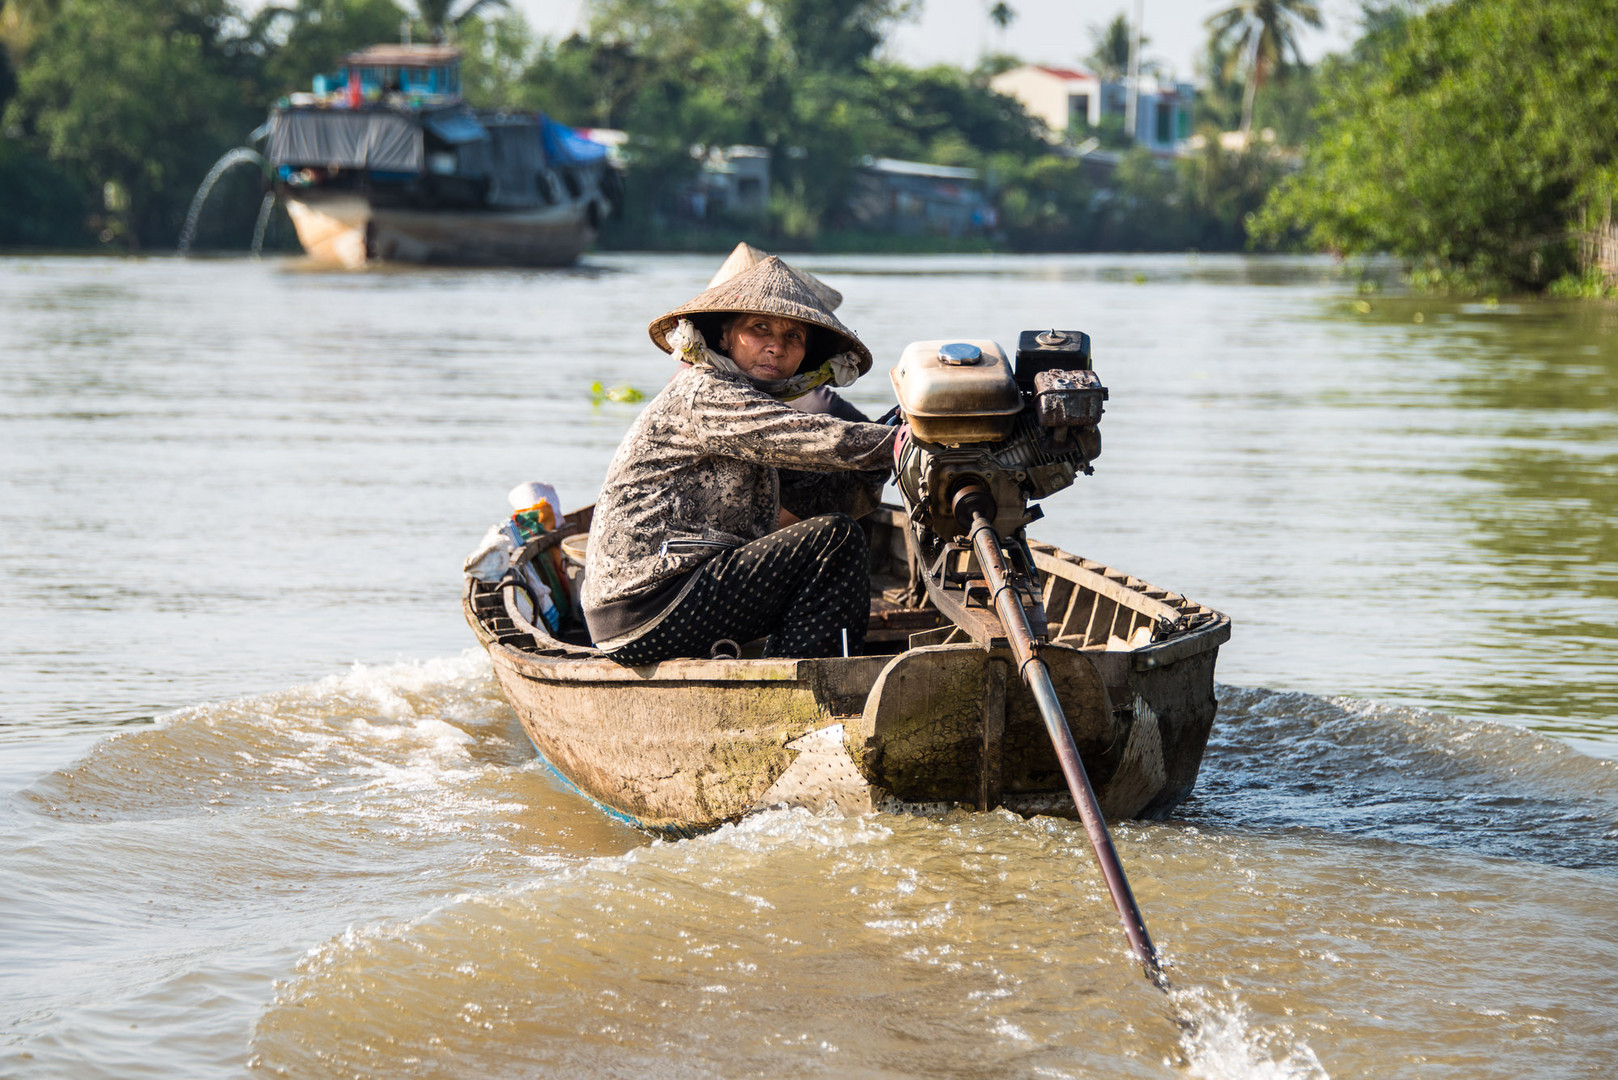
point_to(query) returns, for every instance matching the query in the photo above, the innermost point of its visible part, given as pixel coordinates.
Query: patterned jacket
(698, 473)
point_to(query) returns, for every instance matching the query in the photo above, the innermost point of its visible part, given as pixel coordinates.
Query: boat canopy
(565, 146)
(455, 128)
(336, 138)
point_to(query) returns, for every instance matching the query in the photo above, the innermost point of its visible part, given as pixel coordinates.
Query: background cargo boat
(387, 162)
(926, 716)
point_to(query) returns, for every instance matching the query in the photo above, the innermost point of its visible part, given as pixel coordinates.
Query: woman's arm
(735, 420)
(806, 494)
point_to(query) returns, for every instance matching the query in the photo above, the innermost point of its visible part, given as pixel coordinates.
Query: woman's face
(765, 346)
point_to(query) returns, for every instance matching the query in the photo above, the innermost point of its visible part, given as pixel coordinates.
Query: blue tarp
(455, 128)
(565, 146)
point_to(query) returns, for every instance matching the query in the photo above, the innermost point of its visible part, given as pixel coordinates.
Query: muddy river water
(263, 811)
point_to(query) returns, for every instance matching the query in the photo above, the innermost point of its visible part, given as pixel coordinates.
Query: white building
(1070, 101)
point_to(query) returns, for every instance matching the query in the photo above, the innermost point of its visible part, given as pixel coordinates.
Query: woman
(684, 548)
(822, 399)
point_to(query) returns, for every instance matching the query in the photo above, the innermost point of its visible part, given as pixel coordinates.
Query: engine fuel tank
(957, 391)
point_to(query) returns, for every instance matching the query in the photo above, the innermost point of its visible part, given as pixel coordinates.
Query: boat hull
(349, 231)
(683, 745)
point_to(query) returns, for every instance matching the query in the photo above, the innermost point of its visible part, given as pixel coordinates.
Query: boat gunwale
(603, 669)
(1181, 627)
(571, 664)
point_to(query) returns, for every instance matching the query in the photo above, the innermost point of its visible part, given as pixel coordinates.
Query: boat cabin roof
(402, 56)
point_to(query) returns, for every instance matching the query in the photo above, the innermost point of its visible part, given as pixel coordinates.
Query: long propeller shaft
(986, 543)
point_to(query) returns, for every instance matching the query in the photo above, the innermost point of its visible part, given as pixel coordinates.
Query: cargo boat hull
(348, 231)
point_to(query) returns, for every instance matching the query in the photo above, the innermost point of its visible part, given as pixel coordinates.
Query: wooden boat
(387, 162)
(923, 718)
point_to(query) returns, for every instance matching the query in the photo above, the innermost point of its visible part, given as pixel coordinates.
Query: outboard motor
(989, 439)
(985, 441)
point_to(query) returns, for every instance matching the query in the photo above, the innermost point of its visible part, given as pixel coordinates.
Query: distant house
(1063, 98)
(911, 198)
(738, 177)
(731, 181)
(1069, 101)
(914, 198)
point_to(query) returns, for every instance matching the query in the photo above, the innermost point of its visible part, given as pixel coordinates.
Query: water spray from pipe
(229, 159)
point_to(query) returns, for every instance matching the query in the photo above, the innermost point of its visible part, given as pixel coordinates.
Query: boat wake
(388, 735)
(947, 946)
(1337, 853)
(421, 736)
(1286, 760)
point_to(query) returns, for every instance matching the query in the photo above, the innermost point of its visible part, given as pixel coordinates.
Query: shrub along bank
(1475, 140)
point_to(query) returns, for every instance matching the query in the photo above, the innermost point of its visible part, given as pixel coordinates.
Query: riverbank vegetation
(113, 110)
(1473, 140)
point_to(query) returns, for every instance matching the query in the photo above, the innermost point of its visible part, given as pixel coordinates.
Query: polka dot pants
(802, 586)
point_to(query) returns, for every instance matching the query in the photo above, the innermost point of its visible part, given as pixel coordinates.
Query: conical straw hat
(770, 288)
(746, 256)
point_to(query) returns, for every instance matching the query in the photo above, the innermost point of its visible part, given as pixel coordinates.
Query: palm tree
(1260, 35)
(437, 15)
(1110, 56)
(1002, 15)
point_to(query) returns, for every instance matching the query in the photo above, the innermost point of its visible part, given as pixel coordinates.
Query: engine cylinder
(973, 424)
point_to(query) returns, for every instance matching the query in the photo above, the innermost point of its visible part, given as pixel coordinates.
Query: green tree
(1291, 95)
(677, 75)
(915, 113)
(791, 75)
(41, 203)
(1148, 210)
(1222, 190)
(1045, 202)
(441, 18)
(310, 36)
(1472, 140)
(656, 69)
(833, 35)
(137, 97)
(1001, 16)
(8, 80)
(21, 23)
(588, 82)
(497, 56)
(1260, 36)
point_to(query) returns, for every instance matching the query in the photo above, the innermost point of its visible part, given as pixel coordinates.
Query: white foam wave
(400, 728)
(773, 828)
(1221, 1042)
(395, 689)
(399, 742)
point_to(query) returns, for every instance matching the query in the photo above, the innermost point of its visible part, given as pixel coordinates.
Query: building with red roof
(1072, 102)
